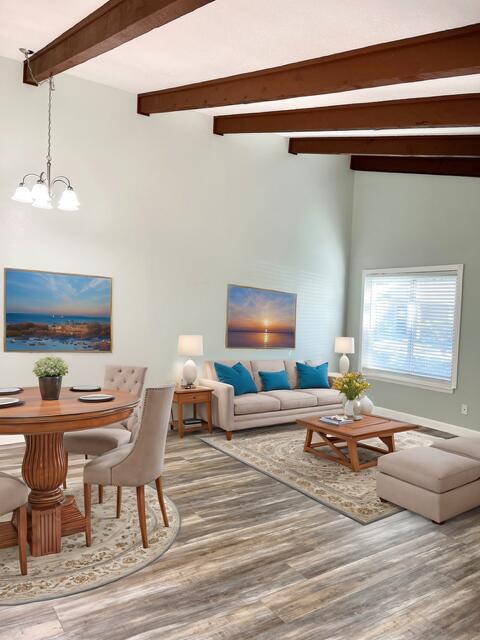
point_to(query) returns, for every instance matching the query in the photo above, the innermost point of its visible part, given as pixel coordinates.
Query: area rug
(279, 454)
(116, 550)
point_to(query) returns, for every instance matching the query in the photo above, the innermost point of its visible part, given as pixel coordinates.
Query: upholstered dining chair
(13, 497)
(94, 442)
(138, 463)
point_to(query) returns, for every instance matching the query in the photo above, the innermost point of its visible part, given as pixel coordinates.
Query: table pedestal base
(46, 526)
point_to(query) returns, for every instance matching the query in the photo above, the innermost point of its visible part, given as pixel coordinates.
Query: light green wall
(412, 220)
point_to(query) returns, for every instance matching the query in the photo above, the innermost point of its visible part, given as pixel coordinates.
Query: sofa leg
(439, 523)
(229, 435)
(382, 499)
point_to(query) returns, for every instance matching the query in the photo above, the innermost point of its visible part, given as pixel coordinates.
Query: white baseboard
(425, 422)
(11, 439)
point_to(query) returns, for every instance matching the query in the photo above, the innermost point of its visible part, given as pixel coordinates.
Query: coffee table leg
(353, 454)
(308, 440)
(389, 441)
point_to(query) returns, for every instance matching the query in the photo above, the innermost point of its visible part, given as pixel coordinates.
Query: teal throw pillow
(238, 376)
(274, 380)
(313, 377)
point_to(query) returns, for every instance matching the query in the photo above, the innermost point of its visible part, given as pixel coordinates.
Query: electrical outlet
(464, 409)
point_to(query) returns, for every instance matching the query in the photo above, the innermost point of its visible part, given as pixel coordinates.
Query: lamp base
(344, 364)
(188, 386)
(189, 373)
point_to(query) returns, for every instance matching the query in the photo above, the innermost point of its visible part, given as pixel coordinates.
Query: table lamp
(190, 346)
(344, 345)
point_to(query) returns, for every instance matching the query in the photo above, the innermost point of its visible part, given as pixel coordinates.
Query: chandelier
(41, 194)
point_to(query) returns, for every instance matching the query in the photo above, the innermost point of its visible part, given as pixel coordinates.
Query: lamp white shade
(344, 345)
(190, 345)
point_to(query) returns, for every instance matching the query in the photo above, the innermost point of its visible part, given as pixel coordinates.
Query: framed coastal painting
(47, 311)
(260, 318)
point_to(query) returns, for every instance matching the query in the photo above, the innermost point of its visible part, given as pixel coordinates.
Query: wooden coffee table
(352, 435)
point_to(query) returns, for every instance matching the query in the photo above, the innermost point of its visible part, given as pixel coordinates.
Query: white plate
(86, 387)
(96, 397)
(9, 402)
(7, 391)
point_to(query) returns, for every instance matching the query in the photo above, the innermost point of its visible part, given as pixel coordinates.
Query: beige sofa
(232, 413)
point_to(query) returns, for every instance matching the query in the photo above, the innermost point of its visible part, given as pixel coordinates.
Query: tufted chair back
(130, 379)
(145, 460)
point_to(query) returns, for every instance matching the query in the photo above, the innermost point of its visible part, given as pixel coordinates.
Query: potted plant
(352, 385)
(49, 372)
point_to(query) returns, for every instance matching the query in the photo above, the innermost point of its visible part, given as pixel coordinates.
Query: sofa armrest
(222, 402)
(332, 376)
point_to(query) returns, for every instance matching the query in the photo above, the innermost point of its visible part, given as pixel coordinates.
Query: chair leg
(87, 495)
(119, 502)
(229, 435)
(161, 501)
(141, 515)
(22, 537)
(100, 494)
(66, 470)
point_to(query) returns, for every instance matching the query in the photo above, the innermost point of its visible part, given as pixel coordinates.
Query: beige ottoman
(469, 447)
(434, 483)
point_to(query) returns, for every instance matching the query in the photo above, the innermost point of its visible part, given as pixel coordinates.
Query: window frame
(434, 384)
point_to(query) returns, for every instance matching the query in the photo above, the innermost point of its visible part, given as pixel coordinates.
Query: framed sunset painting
(47, 311)
(260, 318)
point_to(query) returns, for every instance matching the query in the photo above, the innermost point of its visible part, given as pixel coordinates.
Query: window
(411, 322)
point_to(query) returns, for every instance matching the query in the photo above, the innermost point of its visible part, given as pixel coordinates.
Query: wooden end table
(352, 435)
(194, 396)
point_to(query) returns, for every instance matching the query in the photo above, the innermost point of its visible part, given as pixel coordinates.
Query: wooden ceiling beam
(442, 54)
(439, 111)
(110, 26)
(447, 145)
(469, 167)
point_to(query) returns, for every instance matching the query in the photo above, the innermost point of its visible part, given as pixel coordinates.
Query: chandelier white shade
(41, 194)
(22, 194)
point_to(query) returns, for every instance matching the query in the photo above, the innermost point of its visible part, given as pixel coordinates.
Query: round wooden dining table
(51, 514)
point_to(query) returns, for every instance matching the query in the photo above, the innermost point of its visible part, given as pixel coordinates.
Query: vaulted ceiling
(212, 39)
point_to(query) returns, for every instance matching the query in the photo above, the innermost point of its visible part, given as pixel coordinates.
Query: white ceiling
(234, 36)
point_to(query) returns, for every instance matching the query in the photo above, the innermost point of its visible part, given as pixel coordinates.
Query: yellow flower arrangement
(351, 384)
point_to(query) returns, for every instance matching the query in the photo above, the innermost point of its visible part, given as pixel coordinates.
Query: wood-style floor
(255, 559)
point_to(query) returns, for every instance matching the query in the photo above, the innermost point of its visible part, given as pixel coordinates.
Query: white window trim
(417, 381)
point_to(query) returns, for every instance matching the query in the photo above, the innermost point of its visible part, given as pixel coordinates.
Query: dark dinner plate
(10, 391)
(97, 397)
(82, 388)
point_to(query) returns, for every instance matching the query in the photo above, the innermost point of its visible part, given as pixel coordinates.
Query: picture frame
(57, 312)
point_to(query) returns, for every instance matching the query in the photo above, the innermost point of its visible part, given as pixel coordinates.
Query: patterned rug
(279, 454)
(116, 550)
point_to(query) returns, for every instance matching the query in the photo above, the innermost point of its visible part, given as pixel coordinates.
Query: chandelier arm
(27, 175)
(63, 179)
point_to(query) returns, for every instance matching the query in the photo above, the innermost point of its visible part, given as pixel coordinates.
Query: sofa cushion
(313, 377)
(238, 376)
(430, 468)
(254, 403)
(273, 380)
(325, 396)
(469, 447)
(292, 399)
(265, 365)
(291, 368)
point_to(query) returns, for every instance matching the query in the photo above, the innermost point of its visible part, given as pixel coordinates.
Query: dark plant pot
(50, 387)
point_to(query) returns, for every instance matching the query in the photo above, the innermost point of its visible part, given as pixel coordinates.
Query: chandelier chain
(49, 137)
